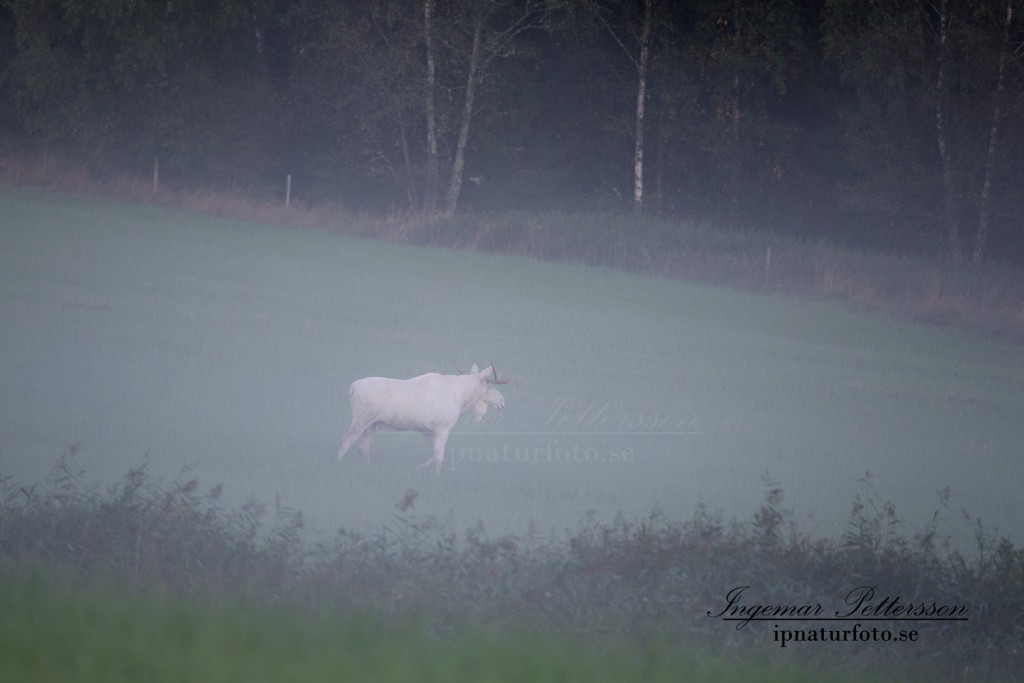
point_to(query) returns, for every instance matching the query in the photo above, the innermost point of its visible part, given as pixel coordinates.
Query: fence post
(288, 191)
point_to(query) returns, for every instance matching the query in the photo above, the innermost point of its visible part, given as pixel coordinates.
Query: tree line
(896, 124)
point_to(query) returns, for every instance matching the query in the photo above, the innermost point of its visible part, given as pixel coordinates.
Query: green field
(144, 334)
(48, 635)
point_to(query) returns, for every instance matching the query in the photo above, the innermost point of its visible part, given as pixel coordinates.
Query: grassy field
(145, 334)
(48, 635)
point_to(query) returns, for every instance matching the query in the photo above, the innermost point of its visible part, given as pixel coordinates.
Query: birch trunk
(430, 191)
(410, 182)
(641, 60)
(641, 97)
(472, 76)
(948, 190)
(985, 208)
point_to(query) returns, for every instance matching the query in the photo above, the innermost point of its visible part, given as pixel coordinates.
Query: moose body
(429, 404)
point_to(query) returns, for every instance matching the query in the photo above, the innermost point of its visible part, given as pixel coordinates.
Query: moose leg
(366, 441)
(440, 438)
(351, 436)
(431, 438)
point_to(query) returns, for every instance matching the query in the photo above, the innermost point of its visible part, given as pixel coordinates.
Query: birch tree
(429, 93)
(941, 116)
(493, 29)
(632, 28)
(985, 205)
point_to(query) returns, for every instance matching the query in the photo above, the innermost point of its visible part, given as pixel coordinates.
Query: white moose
(429, 404)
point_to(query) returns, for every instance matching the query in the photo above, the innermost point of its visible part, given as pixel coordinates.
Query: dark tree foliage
(123, 81)
(870, 123)
(922, 81)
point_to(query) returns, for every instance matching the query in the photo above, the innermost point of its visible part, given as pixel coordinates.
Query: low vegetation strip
(921, 287)
(664, 590)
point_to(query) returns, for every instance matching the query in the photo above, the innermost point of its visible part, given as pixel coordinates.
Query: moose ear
(474, 370)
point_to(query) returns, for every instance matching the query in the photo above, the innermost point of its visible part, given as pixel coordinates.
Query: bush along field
(157, 579)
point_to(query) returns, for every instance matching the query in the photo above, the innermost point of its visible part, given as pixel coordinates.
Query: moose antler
(494, 373)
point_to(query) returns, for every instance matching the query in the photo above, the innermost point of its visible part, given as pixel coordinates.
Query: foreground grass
(51, 634)
(610, 588)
